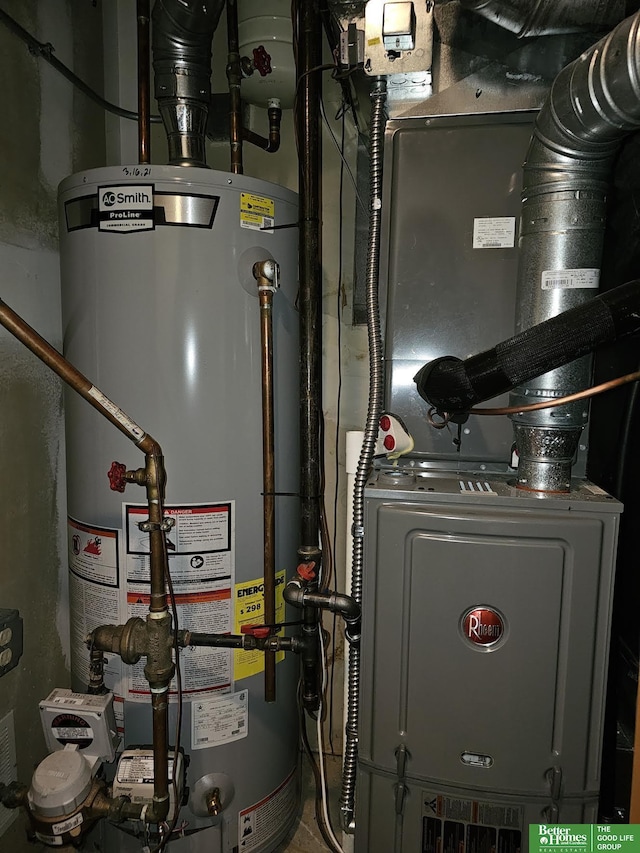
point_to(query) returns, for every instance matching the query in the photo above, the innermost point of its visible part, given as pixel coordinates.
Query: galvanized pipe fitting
(182, 35)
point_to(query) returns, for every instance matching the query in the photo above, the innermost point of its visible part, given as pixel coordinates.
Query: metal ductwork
(548, 17)
(182, 35)
(593, 103)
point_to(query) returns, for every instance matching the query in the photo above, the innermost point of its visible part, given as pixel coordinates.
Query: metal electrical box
(485, 640)
(449, 261)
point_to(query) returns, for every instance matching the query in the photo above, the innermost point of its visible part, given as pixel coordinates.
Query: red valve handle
(259, 631)
(307, 571)
(262, 61)
(116, 474)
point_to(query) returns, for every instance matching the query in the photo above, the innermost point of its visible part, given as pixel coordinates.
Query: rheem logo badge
(482, 627)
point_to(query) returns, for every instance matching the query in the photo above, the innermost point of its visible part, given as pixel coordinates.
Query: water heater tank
(160, 310)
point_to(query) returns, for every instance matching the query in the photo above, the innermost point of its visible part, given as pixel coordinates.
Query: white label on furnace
(494, 232)
(220, 719)
(124, 420)
(570, 279)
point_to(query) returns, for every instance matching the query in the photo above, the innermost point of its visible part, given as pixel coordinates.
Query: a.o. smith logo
(482, 626)
(126, 208)
(129, 199)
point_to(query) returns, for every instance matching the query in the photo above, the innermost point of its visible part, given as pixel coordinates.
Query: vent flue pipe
(593, 104)
(548, 17)
(182, 35)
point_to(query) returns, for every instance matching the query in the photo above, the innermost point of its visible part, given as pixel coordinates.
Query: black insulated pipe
(307, 117)
(182, 35)
(452, 385)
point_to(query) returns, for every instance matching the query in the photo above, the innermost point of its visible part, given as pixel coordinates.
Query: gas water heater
(160, 307)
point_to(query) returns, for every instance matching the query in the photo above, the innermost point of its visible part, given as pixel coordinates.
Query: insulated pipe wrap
(452, 385)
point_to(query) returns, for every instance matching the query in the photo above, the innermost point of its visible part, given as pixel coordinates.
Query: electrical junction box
(134, 777)
(10, 639)
(82, 719)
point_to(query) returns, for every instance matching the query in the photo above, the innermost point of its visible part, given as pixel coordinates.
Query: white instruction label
(123, 419)
(494, 232)
(201, 545)
(220, 719)
(570, 279)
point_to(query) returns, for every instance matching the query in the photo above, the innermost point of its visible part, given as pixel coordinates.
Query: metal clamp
(149, 526)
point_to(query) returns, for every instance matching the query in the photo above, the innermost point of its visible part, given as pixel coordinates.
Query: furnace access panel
(484, 651)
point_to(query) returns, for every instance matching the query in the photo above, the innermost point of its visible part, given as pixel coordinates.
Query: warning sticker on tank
(94, 594)
(201, 547)
(587, 279)
(494, 232)
(257, 212)
(466, 825)
(267, 819)
(249, 610)
(219, 719)
(126, 208)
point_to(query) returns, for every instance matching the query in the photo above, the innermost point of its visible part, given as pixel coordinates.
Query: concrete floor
(305, 836)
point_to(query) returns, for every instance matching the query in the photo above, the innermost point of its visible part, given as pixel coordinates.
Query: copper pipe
(28, 336)
(560, 401)
(272, 143)
(160, 721)
(266, 289)
(144, 82)
(155, 482)
(234, 76)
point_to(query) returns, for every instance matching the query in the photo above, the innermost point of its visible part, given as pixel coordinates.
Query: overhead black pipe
(452, 385)
(307, 116)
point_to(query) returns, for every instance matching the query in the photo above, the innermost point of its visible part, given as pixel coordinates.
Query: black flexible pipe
(45, 51)
(452, 385)
(307, 109)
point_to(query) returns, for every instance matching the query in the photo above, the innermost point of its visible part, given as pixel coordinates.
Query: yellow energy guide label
(257, 212)
(249, 610)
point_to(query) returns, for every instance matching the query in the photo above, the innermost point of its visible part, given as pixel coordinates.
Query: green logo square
(584, 838)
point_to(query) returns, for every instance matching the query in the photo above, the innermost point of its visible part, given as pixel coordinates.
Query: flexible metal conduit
(376, 402)
(593, 103)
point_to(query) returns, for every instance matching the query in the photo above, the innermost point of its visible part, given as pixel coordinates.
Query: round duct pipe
(594, 102)
(548, 17)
